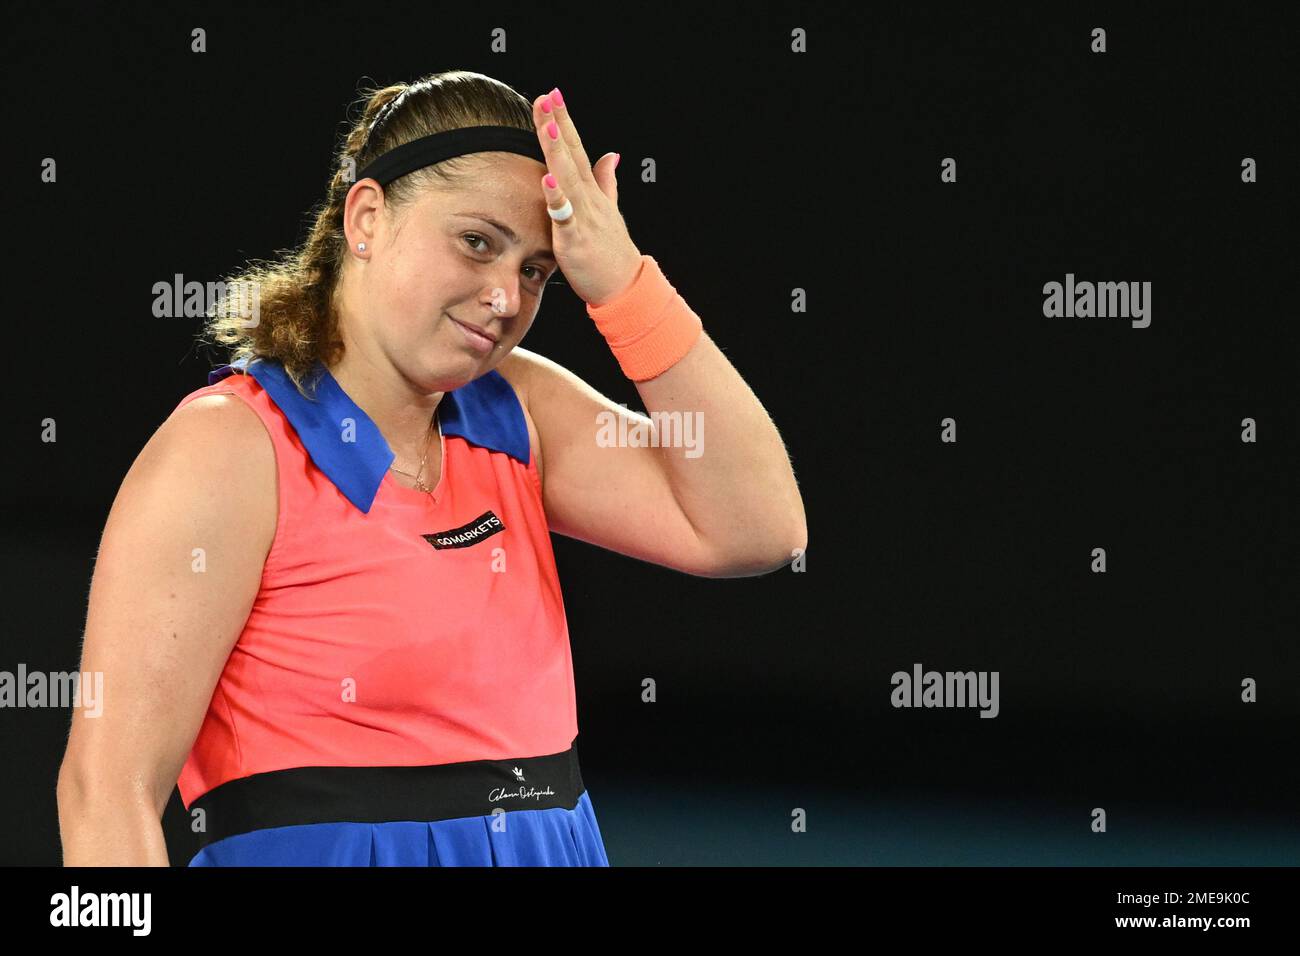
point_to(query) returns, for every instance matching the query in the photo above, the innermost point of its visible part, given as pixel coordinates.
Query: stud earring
(361, 247)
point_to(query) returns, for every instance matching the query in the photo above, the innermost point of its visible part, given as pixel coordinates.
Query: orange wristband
(649, 327)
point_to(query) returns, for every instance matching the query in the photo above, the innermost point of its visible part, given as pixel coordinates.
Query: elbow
(71, 792)
(754, 558)
(86, 785)
(68, 786)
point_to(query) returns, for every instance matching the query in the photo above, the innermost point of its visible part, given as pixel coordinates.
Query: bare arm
(740, 495)
(732, 509)
(158, 628)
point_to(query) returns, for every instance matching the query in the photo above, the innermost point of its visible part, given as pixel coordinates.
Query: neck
(403, 415)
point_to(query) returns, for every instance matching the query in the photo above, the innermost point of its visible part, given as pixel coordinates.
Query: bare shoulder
(517, 368)
(213, 449)
(542, 380)
(541, 377)
(212, 424)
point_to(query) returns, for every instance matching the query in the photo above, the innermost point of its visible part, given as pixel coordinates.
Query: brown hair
(297, 320)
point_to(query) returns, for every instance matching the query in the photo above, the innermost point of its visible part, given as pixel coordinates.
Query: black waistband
(282, 798)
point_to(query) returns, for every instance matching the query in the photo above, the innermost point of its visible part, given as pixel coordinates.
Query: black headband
(428, 150)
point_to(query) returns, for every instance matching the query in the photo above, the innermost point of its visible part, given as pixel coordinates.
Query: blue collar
(485, 412)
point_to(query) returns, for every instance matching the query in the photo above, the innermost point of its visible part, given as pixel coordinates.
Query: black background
(777, 171)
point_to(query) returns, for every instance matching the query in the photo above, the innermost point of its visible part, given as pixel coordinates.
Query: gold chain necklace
(419, 481)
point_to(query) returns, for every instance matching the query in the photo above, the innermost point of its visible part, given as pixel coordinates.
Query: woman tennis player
(325, 602)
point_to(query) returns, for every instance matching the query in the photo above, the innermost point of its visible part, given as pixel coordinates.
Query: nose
(503, 296)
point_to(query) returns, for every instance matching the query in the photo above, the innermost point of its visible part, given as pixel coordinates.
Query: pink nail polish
(617, 157)
(555, 94)
(552, 130)
(546, 105)
(550, 181)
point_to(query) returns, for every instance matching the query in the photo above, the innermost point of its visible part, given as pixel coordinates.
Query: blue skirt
(551, 837)
(524, 811)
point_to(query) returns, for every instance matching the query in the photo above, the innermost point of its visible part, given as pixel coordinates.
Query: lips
(474, 328)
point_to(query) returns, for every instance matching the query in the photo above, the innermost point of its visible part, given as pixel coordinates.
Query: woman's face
(437, 261)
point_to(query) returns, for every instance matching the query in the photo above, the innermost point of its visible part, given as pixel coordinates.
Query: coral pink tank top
(393, 627)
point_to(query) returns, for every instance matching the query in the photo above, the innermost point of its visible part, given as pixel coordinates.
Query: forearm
(733, 480)
(109, 829)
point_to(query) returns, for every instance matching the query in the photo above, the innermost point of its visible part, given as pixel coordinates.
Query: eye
(538, 272)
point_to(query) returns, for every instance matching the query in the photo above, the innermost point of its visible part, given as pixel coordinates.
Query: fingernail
(546, 105)
(555, 94)
(617, 157)
(549, 180)
(552, 130)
